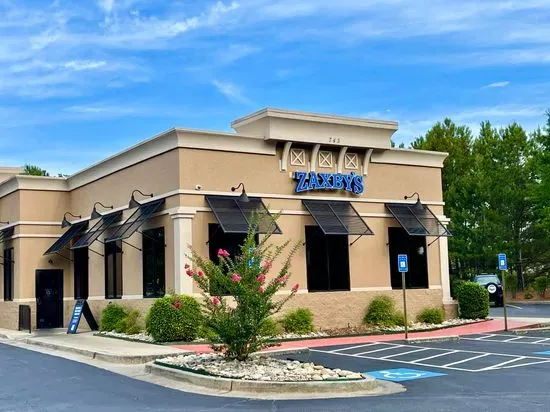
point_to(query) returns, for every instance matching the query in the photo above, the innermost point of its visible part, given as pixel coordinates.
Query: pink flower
(189, 272)
(267, 265)
(295, 288)
(282, 279)
(215, 300)
(260, 278)
(223, 253)
(177, 305)
(236, 277)
(261, 289)
(200, 274)
(186, 266)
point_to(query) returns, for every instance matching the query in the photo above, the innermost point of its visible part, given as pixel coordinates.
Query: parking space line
(435, 356)
(466, 360)
(485, 337)
(526, 364)
(541, 340)
(405, 353)
(512, 339)
(355, 347)
(380, 350)
(499, 365)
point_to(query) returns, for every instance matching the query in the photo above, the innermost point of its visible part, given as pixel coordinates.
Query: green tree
(34, 171)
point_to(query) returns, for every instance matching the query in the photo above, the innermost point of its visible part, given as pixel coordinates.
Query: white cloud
(235, 52)
(231, 91)
(107, 5)
(496, 85)
(79, 65)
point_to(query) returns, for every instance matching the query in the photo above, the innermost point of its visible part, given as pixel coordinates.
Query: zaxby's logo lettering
(329, 181)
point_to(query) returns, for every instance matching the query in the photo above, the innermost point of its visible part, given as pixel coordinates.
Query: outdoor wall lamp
(243, 197)
(417, 204)
(65, 222)
(133, 202)
(4, 223)
(95, 214)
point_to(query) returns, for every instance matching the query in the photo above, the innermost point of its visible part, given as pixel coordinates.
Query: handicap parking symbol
(403, 374)
(546, 352)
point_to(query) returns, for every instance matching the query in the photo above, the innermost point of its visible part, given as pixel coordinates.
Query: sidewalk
(489, 326)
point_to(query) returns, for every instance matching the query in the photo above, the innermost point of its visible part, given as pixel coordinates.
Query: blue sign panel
(546, 353)
(402, 263)
(75, 318)
(403, 374)
(502, 261)
(329, 181)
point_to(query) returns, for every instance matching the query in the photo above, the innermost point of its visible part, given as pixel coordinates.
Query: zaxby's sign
(329, 181)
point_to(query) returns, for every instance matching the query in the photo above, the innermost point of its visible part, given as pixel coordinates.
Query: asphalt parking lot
(523, 310)
(498, 372)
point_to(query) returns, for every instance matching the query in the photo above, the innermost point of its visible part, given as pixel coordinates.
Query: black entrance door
(49, 298)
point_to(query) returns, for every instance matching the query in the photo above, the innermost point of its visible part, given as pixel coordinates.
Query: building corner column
(444, 270)
(183, 238)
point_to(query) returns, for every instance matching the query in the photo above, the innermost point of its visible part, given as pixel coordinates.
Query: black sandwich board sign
(81, 308)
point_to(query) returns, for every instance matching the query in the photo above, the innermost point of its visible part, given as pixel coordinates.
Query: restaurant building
(121, 229)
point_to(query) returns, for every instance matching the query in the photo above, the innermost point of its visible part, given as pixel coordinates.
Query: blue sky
(80, 80)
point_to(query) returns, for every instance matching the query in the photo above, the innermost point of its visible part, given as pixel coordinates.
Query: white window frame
(297, 157)
(326, 159)
(351, 161)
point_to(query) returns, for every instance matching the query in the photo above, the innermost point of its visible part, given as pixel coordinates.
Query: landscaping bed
(257, 368)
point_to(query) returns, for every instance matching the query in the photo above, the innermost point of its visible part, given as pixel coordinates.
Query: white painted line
(486, 336)
(512, 339)
(499, 365)
(355, 347)
(404, 353)
(526, 364)
(513, 306)
(541, 340)
(465, 360)
(435, 356)
(380, 350)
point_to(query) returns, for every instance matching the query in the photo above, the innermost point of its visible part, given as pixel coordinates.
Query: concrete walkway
(489, 326)
(95, 347)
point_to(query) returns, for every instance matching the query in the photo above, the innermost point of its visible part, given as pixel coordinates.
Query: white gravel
(416, 326)
(260, 368)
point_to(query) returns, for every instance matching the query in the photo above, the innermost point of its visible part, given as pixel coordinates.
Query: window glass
(113, 270)
(153, 263)
(80, 258)
(400, 242)
(9, 266)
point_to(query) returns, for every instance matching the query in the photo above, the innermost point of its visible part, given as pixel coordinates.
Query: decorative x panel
(297, 157)
(325, 159)
(351, 161)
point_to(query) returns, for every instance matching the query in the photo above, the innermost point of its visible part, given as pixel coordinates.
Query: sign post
(403, 266)
(503, 267)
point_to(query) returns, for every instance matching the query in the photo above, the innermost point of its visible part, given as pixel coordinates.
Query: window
(80, 257)
(325, 159)
(351, 161)
(9, 265)
(415, 248)
(297, 157)
(113, 270)
(231, 242)
(327, 258)
(153, 263)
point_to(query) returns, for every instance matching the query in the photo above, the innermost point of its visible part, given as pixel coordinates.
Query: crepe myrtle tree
(239, 291)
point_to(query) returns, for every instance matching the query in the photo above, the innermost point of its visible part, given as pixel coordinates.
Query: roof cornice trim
(410, 157)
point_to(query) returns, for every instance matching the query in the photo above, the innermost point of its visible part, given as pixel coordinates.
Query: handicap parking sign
(502, 261)
(403, 263)
(403, 374)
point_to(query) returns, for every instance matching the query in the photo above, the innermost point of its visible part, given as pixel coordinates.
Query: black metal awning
(104, 223)
(417, 219)
(6, 234)
(337, 217)
(134, 222)
(74, 230)
(234, 216)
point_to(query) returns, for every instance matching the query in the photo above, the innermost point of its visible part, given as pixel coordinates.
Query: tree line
(496, 188)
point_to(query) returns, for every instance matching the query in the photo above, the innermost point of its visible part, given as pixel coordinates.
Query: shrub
(455, 286)
(174, 318)
(299, 321)
(511, 284)
(381, 312)
(541, 283)
(130, 324)
(244, 278)
(111, 315)
(473, 301)
(528, 295)
(270, 328)
(204, 332)
(431, 315)
(398, 319)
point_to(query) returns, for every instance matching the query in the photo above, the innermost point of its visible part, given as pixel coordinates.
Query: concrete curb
(107, 357)
(289, 351)
(527, 330)
(429, 339)
(266, 389)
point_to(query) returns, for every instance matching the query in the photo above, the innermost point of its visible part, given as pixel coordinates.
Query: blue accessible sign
(77, 314)
(403, 374)
(402, 263)
(502, 261)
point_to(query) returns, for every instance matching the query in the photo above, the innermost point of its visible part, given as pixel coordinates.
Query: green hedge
(473, 301)
(131, 324)
(540, 285)
(381, 312)
(299, 321)
(431, 315)
(271, 328)
(111, 316)
(174, 318)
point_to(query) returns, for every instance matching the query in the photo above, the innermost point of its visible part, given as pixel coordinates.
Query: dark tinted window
(415, 248)
(153, 263)
(113, 270)
(484, 279)
(9, 266)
